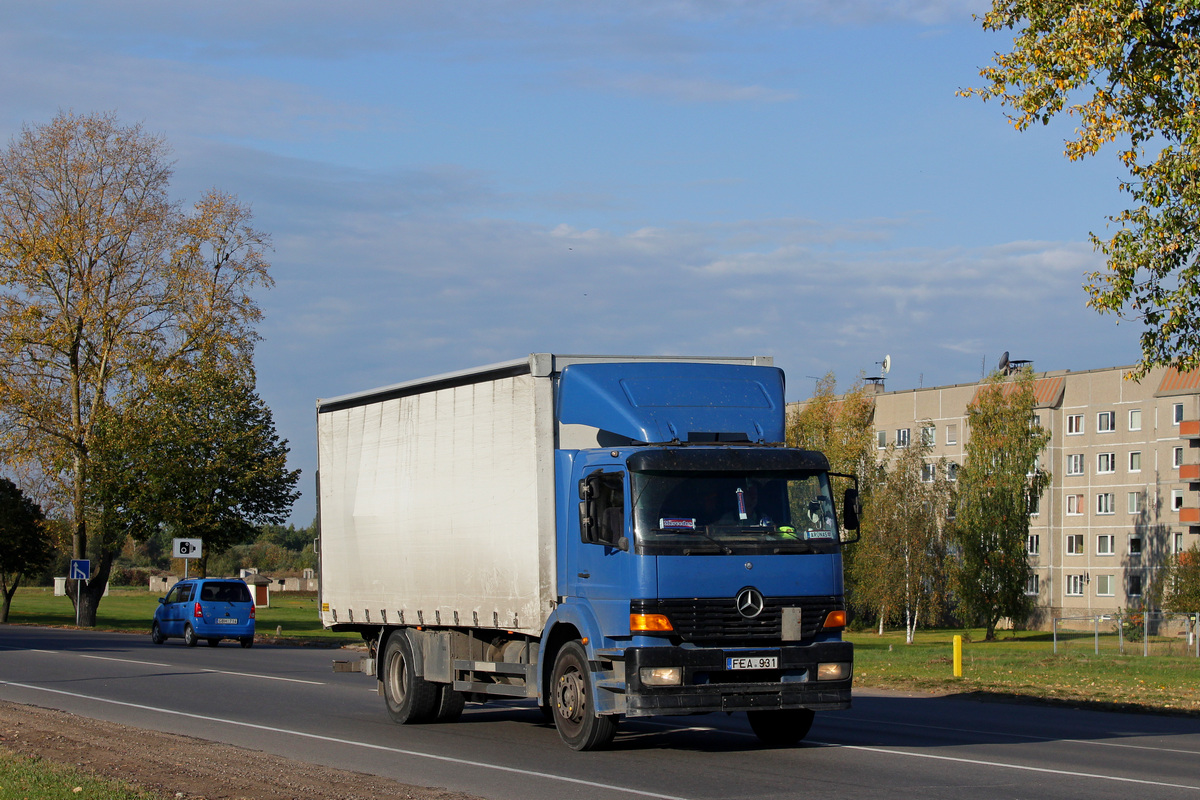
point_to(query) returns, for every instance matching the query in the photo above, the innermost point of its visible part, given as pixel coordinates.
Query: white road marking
(366, 745)
(205, 669)
(1029, 736)
(958, 759)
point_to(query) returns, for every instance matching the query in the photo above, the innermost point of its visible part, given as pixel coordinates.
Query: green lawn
(24, 778)
(294, 614)
(1025, 664)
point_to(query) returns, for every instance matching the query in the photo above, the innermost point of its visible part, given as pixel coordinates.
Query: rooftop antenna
(885, 367)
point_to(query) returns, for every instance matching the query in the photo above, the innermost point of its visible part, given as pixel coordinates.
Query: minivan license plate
(226, 621)
(752, 662)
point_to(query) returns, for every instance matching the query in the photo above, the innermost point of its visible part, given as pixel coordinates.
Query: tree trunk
(88, 602)
(8, 593)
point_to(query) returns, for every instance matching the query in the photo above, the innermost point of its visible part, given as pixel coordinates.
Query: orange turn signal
(835, 619)
(649, 622)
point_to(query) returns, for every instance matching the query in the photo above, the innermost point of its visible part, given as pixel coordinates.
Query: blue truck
(611, 536)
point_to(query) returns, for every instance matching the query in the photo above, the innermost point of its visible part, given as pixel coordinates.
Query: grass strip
(25, 778)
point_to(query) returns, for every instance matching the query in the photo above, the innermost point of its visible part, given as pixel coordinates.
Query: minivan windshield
(695, 513)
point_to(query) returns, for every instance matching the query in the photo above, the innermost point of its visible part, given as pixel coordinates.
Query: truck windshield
(726, 513)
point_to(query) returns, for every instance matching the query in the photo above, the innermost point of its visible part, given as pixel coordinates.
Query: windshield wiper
(720, 545)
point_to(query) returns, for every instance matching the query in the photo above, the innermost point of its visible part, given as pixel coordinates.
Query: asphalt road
(288, 701)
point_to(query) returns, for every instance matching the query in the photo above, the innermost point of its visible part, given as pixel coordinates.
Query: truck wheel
(571, 701)
(781, 728)
(410, 699)
(449, 705)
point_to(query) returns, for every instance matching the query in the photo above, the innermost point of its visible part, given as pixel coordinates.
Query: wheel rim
(571, 698)
(397, 672)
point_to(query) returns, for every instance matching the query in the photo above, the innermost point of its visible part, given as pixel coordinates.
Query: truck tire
(449, 706)
(571, 701)
(781, 728)
(410, 699)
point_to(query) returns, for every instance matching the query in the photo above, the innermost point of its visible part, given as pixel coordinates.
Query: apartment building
(1125, 490)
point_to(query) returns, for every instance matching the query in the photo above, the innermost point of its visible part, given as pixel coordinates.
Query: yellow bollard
(957, 656)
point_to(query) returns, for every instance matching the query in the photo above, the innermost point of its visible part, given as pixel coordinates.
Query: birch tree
(900, 567)
(106, 287)
(998, 484)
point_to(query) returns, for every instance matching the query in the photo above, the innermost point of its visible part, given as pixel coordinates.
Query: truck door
(605, 567)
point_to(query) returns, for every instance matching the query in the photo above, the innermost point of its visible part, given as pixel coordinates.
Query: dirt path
(183, 767)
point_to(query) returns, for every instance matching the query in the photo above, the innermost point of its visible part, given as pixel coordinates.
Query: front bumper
(709, 686)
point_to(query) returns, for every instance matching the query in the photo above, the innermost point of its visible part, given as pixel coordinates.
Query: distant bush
(129, 576)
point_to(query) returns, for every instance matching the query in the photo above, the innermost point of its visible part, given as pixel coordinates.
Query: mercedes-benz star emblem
(750, 602)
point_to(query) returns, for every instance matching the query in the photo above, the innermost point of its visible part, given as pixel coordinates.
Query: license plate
(752, 662)
(227, 621)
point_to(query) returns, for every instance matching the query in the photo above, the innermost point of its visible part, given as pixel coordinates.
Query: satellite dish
(1004, 361)
(887, 364)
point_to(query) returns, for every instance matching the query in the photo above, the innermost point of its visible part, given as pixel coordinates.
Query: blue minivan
(211, 609)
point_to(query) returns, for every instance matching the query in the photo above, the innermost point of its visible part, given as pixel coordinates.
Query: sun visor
(665, 401)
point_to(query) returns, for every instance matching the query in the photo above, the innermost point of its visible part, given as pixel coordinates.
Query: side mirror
(852, 509)
(162, 601)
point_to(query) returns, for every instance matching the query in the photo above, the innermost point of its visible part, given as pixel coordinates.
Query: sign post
(187, 549)
(81, 570)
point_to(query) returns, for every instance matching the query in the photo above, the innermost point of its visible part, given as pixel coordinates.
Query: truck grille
(716, 621)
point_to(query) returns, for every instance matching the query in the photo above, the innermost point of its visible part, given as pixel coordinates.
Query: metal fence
(1152, 633)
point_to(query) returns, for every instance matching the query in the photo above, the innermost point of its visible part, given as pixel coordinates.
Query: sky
(453, 184)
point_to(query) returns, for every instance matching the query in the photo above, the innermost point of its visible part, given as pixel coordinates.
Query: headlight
(661, 676)
(833, 671)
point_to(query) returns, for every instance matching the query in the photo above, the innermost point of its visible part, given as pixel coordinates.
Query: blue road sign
(81, 569)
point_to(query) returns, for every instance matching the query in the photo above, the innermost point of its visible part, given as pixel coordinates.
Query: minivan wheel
(189, 636)
(156, 634)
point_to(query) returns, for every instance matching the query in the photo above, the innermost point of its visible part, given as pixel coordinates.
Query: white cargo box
(437, 498)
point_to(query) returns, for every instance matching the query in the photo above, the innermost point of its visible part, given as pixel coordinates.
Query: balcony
(1189, 516)
(1189, 429)
(1189, 473)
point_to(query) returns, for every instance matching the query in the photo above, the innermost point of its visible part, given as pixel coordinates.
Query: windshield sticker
(677, 523)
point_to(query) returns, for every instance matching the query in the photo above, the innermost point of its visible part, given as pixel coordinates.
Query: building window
(1104, 585)
(1074, 504)
(1106, 421)
(1176, 499)
(1135, 419)
(1135, 502)
(952, 434)
(929, 436)
(1075, 584)
(1032, 585)
(1033, 544)
(1105, 503)
(1135, 544)
(928, 473)
(1074, 423)
(1177, 413)
(1074, 544)
(1135, 585)
(1177, 547)
(902, 437)
(1105, 544)
(1135, 461)
(1177, 457)
(881, 440)
(1035, 504)
(1075, 464)
(1106, 462)
(951, 471)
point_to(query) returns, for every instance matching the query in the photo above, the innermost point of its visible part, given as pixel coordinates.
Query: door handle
(585, 574)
